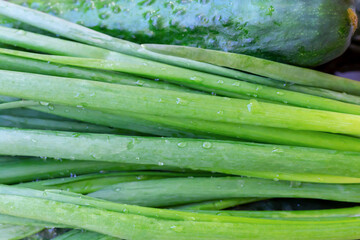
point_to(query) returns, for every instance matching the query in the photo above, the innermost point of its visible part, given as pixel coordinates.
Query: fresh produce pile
(117, 140)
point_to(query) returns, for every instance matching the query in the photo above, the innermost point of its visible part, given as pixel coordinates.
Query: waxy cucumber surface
(303, 32)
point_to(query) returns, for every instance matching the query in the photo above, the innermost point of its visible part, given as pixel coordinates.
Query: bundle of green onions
(100, 135)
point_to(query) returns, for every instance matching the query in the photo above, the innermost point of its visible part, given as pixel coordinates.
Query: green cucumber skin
(304, 32)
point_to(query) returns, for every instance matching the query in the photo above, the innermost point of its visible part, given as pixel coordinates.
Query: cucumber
(357, 33)
(302, 32)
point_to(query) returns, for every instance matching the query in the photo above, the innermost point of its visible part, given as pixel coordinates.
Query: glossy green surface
(83, 235)
(316, 31)
(85, 184)
(138, 223)
(217, 204)
(15, 170)
(230, 157)
(172, 191)
(15, 232)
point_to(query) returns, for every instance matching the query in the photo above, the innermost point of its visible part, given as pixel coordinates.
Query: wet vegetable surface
(259, 28)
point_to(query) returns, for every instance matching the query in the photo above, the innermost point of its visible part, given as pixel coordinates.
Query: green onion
(172, 127)
(114, 98)
(262, 67)
(13, 63)
(216, 204)
(15, 232)
(125, 120)
(83, 235)
(353, 212)
(7, 99)
(173, 191)
(201, 81)
(259, 160)
(156, 125)
(15, 170)
(134, 222)
(28, 113)
(18, 104)
(11, 220)
(93, 182)
(47, 124)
